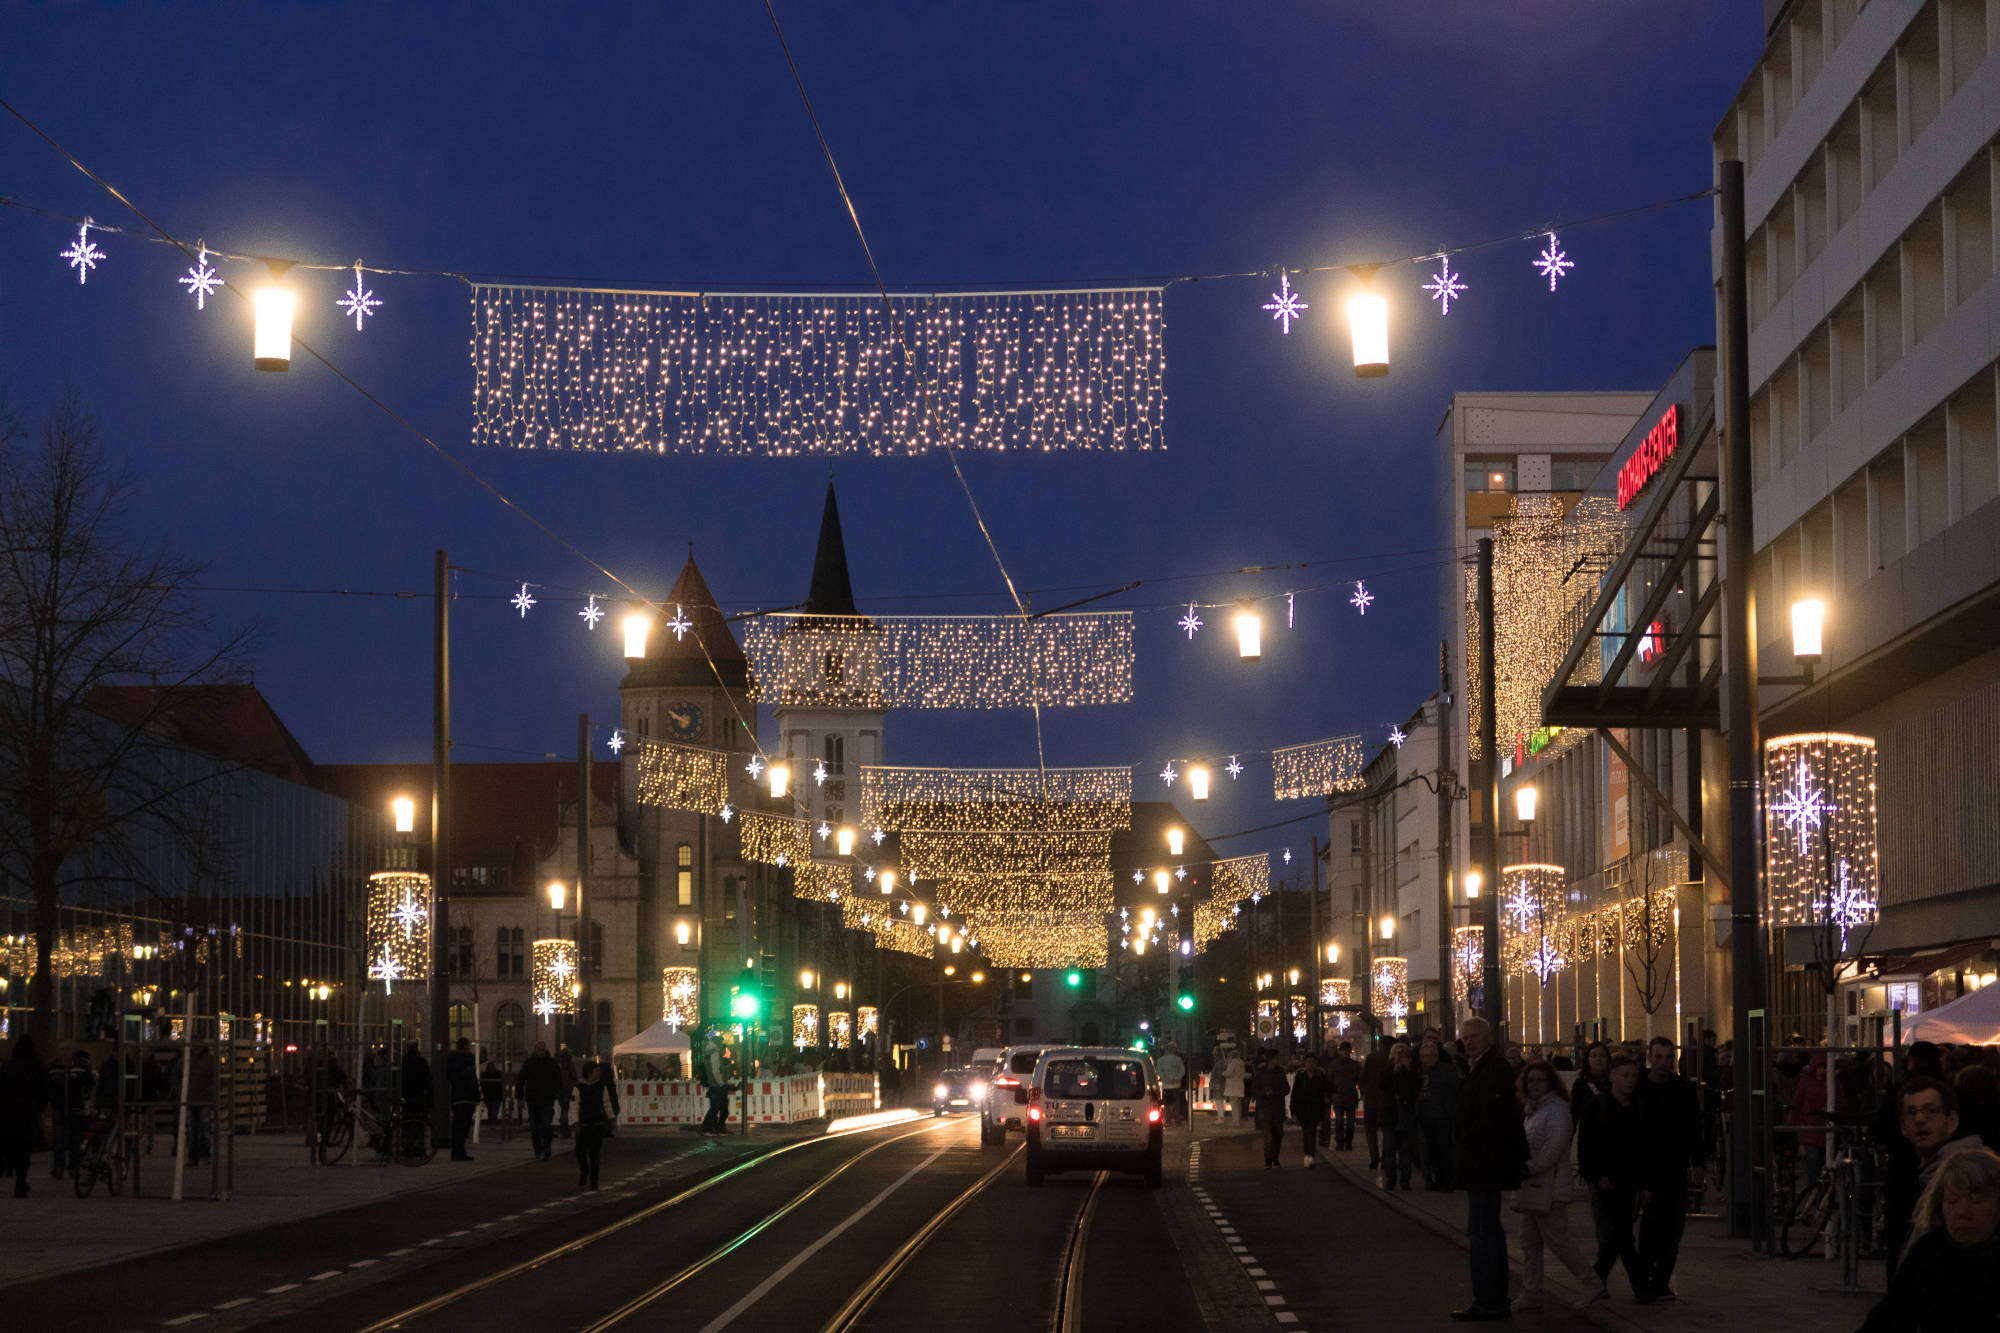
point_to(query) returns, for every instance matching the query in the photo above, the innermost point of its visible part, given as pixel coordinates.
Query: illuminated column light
(1468, 962)
(840, 1029)
(1368, 326)
(398, 933)
(1392, 991)
(805, 1025)
(1333, 992)
(680, 992)
(552, 976)
(1300, 1021)
(1821, 863)
(866, 1016)
(1531, 912)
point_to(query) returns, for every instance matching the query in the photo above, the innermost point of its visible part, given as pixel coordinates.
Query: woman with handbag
(1545, 1194)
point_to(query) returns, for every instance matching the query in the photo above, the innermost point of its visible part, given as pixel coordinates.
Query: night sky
(1037, 145)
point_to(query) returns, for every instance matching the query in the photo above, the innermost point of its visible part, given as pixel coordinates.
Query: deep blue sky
(1033, 144)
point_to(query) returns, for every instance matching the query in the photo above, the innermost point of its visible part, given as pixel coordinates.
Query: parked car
(1095, 1108)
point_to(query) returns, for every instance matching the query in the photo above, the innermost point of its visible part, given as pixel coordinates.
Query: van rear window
(1023, 1062)
(1106, 1079)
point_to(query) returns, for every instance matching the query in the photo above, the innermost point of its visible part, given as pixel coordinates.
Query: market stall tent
(660, 1045)
(1970, 1020)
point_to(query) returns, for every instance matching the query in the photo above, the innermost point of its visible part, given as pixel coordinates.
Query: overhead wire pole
(1494, 1000)
(440, 993)
(1447, 1001)
(585, 1013)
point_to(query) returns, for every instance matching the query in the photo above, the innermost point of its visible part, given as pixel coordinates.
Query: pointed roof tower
(832, 594)
(683, 659)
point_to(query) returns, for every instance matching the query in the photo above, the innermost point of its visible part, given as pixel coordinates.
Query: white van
(1095, 1108)
(1007, 1093)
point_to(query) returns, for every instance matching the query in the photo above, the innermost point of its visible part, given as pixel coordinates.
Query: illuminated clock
(684, 720)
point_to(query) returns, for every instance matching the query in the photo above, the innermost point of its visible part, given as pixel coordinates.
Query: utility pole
(440, 997)
(1319, 953)
(1495, 1006)
(1366, 935)
(1447, 1002)
(1746, 795)
(584, 1001)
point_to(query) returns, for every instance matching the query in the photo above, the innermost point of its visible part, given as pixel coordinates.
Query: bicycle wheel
(85, 1176)
(1807, 1219)
(336, 1139)
(415, 1144)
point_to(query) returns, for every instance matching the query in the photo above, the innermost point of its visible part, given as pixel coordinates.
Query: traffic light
(745, 1000)
(1186, 1002)
(1073, 979)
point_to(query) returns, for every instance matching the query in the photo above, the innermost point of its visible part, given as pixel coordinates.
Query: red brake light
(1034, 1111)
(1152, 1115)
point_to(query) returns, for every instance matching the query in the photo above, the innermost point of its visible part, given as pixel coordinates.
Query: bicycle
(404, 1139)
(1832, 1205)
(103, 1158)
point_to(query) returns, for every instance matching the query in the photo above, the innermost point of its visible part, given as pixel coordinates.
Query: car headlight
(939, 1091)
(978, 1092)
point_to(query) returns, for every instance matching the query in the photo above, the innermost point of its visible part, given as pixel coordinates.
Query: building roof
(235, 723)
(832, 593)
(685, 658)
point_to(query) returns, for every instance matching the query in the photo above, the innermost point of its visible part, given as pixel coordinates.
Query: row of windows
(1499, 475)
(510, 952)
(506, 1038)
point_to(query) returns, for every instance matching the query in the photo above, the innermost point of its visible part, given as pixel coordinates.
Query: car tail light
(1152, 1115)
(1034, 1113)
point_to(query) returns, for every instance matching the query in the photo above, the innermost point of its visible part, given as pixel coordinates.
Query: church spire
(832, 593)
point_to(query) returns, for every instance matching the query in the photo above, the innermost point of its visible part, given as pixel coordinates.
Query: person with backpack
(596, 1113)
(537, 1085)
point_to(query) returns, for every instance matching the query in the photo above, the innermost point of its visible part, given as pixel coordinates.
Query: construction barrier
(785, 1100)
(849, 1094)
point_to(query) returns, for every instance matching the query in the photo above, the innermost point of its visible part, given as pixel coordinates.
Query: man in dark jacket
(537, 1085)
(1270, 1087)
(596, 1110)
(1373, 1067)
(1309, 1089)
(24, 1091)
(1344, 1080)
(1671, 1107)
(70, 1082)
(1492, 1158)
(461, 1076)
(417, 1093)
(1611, 1155)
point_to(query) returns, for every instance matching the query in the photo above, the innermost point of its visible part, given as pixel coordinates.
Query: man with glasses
(1927, 1113)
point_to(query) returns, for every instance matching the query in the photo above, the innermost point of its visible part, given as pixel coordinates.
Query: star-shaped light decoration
(903, 906)
(1285, 304)
(869, 874)
(617, 742)
(819, 773)
(385, 970)
(1190, 622)
(680, 624)
(409, 913)
(1234, 768)
(1288, 856)
(359, 302)
(1445, 286)
(1553, 262)
(201, 281)
(1802, 806)
(1362, 597)
(878, 835)
(728, 812)
(545, 1007)
(561, 967)
(1397, 736)
(522, 600)
(1180, 872)
(83, 253)
(591, 613)
(1291, 610)
(1847, 906)
(780, 859)
(1138, 877)
(825, 830)
(1167, 774)
(755, 768)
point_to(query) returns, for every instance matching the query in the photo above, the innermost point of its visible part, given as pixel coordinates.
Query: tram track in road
(1069, 1292)
(406, 1317)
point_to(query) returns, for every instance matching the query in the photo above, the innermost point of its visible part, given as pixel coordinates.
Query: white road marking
(454, 1235)
(364, 1263)
(397, 1254)
(185, 1319)
(1274, 1300)
(1286, 1316)
(321, 1277)
(1254, 1272)
(273, 1291)
(231, 1305)
(791, 1266)
(1265, 1284)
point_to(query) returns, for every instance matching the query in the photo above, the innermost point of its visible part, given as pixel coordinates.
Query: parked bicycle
(1840, 1210)
(404, 1139)
(103, 1158)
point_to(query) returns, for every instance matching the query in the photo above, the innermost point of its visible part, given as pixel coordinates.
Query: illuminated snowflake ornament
(1167, 774)
(1545, 961)
(561, 967)
(728, 812)
(1234, 768)
(1190, 622)
(1180, 872)
(1288, 856)
(878, 835)
(201, 281)
(83, 253)
(1397, 736)
(1445, 286)
(386, 970)
(755, 768)
(591, 613)
(617, 742)
(359, 301)
(1553, 262)
(869, 874)
(819, 774)
(545, 1007)
(1803, 807)
(1285, 303)
(1362, 598)
(522, 600)
(780, 859)
(1138, 877)
(680, 624)
(409, 914)
(825, 830)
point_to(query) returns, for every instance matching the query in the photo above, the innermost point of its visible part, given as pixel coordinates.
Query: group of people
(75, 1094)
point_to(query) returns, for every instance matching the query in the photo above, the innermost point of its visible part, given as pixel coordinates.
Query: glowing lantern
(272, 349)
(1368, 323)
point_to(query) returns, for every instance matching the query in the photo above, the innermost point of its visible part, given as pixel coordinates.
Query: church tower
(674, 693)
(829, 706)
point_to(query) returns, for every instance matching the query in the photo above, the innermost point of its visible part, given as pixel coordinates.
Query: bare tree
(1649, 946)
(83, 607)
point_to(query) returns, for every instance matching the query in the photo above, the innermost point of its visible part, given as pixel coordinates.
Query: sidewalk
(1721, 1283)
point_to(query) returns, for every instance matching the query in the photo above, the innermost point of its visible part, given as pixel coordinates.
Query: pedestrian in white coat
(1546, 1191)
(1229, 1078)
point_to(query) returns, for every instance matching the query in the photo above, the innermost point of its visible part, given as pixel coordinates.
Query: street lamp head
(1333, 953)
(781, 779)
(843, 841)
(887, 879)
(1525, 800)
(406, 814)
(1808, 629)
(682, 932)
(1388, 927)
(1161, 880)
(556, 892)
(638, 624)
(1249, 633)
(978, 976)
(805, 978)
(1471, 884)
(950, 970)
(1176, 839)
(1197, 776)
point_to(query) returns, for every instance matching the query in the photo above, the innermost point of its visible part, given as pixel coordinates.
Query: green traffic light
(1074, 979)
(1186, 1002)
(744, 1004)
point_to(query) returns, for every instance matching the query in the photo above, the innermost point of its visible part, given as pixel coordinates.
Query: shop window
(512, 948)
(836, 754)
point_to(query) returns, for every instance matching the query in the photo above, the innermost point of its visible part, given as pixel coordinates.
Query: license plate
(1073, 1131)
(959, 1101)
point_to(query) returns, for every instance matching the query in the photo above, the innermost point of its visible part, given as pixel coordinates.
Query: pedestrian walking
(1548, 1188)
(461, 1078)
(1309, 1094)
(1612, 1153)
(1173, 1076)
(1492, 1158)
(596, 1113)
(566, 1066)
(1373, 1067)
(1344, 1076)
(1671, 1111)
(1945, 1282)
(714, 1072)
(536, 1086)
(492, 1087)
(1437, 1106)
(1269, 1088)
(1230, 1079)
(24, 1091)
(202, 1090)
(1402, 1088)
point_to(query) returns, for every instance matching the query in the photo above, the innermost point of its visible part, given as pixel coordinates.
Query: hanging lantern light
(1808, 628)
(683, 930)
(1388, 927)
(1471, 885)
(887, 879)
(272, 345)
(843, 841)
(1161, 881)
(1249, 632)
(781, 779)
(1197, 776)
(1176, 839)
(918, 912)
(638, 624)
(1368, 325)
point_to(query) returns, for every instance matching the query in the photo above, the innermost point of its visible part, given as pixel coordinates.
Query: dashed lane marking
(1286, 1316)
(185, 1319)
(397, 1254)
(276, 1291)
(364, 1263)
(231, 1305)
(321, 1277)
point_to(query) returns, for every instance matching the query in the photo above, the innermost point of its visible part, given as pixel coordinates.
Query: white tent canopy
(654, 1045)
(1970, 1020)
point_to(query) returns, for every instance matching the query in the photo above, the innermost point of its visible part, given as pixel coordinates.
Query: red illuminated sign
(1653, 642)
(1651, 455)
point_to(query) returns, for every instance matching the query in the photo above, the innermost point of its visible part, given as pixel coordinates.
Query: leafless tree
(83, 607)
(1649, 947)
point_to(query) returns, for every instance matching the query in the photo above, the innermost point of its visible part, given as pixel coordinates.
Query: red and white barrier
(767, 1100)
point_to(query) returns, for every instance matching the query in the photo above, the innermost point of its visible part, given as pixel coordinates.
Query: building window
(596, 949)
(1572, 474)
(509, 1027)
(512, 946)
(460, 1022)
(730, 888)
(645, 726)
(605, 1039)
(684, 875)
(402, 858)
(836, 754)
(458, 954)
(832, 669)
(1490, 476)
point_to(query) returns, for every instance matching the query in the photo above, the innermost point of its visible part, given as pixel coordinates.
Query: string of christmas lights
(805, 1025)
(552, 976)
(889, 930)
(1059, 661)
(822, 881)
(866, 1019)
(1009, 854)
(1391, 996)
(1821, 859)
(683, 777)
(1317, 768)
(1531, 909)
(788, 374)
(398, 930)
(982, 800)
(680, 997)
(1044, 940)
(1468, 961)
(774, 840)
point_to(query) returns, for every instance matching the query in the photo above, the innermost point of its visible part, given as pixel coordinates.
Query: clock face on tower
(684, 720)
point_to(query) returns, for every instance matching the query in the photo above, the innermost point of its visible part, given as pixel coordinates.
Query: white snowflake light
(869, 874)
(825, 830)
(779, 859)
(545, 1007)
(1553, 262)
(1285, 304)
(359, 302)
(819, 773)
(591, 613)
(1397, 736)
(409, 914)
(1138, 877)
(201, 281)
(1190, 622)
(1234, 768)
(83, 254)
(1180, 872)
(878, 835)
(1802, 806)
(617, 742)
(680, 624)
(728, 812)
(385, 970)
(1445, 286)
(1288, 856)
(755, 768)
(522, 600)
(1167, 774)
(1291, 610)
(1362, 597)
